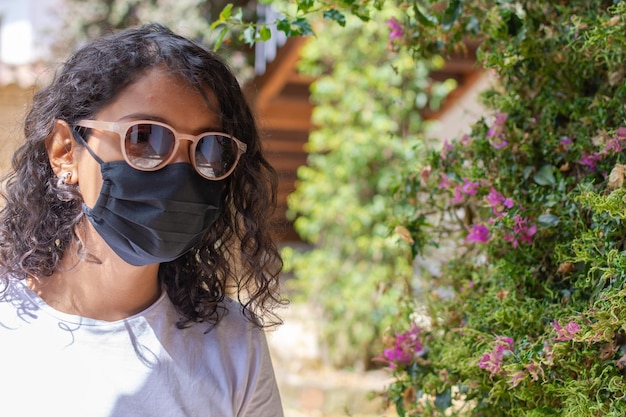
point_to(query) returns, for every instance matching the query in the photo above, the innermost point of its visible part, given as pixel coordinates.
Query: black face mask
(153, 217)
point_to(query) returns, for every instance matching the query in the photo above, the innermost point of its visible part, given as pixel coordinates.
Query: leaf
(303, 28)
(424, 18)
(443, 401)
(220, 38)
(335, 15)
(451, 14)
(548, 220)
(297, 27)
(265, 33)
(545, 176)
(226, 12)
(248, 35)
(305, 5)
(284, 26)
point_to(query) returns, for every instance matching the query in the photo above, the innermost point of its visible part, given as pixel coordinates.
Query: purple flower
(498, 202)
(565, 144)
(478, 233)
(499, 144)
(469, 187)
(614, 146)
(405, 347)
(396, 29)
(496, 131)
(589, 160)
(458, 195)
(445, 181)
(567, 332)
(522, 232)
(492, 360)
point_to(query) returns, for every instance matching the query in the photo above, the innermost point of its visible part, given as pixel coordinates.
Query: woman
(139, 201)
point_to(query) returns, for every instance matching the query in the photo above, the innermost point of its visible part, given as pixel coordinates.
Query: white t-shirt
(55, 364)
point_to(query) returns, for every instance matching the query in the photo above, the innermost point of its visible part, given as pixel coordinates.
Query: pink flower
(458, 195)
(492, 360)
(498, 202)
(567, 332)
(621, 132)
(445, 182)
(496, 131)
(522, 232)
(465, 140)
(478, 233)
(406, 347)
(565, 144)
(589, 160)
(470, 187)
(614, 146)
(396, 29)
(499, 144)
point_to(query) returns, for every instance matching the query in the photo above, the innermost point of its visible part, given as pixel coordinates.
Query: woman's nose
(182, 154)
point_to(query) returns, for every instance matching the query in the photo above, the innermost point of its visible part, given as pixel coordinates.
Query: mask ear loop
(79, 138)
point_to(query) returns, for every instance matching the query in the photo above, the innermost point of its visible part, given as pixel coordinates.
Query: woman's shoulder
(234, 324)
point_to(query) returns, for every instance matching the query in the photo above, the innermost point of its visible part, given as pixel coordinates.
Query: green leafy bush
(527, 314)
(368, 100)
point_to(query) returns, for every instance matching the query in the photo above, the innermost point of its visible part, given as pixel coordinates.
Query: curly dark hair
(41, 214)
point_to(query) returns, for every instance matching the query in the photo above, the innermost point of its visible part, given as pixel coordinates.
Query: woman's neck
(109, 290)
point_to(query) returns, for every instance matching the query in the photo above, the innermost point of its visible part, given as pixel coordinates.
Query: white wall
(25, 29)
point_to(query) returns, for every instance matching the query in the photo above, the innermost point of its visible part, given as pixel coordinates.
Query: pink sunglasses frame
(121, 128)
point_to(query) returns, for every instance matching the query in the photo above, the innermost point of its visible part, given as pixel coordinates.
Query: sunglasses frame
(121, 128)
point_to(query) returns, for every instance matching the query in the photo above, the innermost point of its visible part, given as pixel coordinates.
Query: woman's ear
(61, 148)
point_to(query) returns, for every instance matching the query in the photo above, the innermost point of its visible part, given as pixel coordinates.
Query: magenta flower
(499, 144)
(496, 132)
(406, 347)
(469, 187)
(447, 146)
(614, 146)
(445, 182)
(565, 144)
(492, 360)
(458, 195)
(522, 232)
(589, 160)
(478, 233)
(498, 202)
(396, 29)
(567, 332)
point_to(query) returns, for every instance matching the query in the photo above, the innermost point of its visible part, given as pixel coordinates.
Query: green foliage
(526, 317)
(201, 20)
(368, 100)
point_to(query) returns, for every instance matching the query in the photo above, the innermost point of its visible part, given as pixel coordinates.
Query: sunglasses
(148, 146)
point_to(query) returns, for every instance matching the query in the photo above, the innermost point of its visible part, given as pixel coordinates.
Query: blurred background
(332, 108)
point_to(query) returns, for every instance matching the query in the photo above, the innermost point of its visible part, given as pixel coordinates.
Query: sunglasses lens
(148, 145)
(215, 155)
